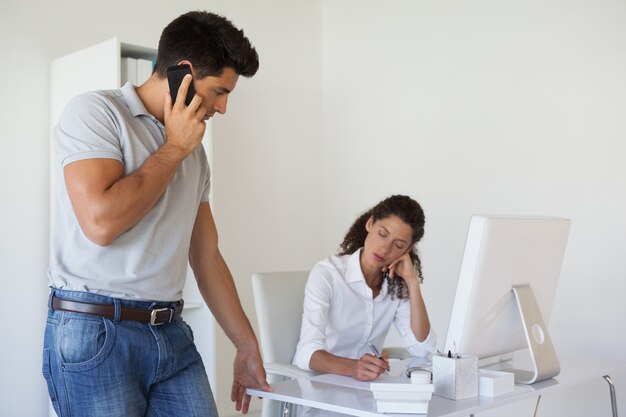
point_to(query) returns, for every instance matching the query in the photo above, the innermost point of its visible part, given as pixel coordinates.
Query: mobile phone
(175, 75)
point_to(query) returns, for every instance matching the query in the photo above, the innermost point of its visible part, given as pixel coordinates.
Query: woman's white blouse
(341, 317)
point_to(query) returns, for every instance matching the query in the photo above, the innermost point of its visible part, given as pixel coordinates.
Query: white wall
(486, 107)
(250, 204)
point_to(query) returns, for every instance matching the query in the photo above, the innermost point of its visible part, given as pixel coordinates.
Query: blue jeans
(97, 367)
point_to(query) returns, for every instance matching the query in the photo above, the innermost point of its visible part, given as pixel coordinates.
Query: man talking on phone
(131, 209)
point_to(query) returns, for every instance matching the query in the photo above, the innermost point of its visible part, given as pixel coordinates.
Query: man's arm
(219, 292)
(106, 202)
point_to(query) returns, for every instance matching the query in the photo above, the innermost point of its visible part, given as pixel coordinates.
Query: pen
(376, 352)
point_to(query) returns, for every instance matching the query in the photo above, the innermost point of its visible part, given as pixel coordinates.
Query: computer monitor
(505, 292)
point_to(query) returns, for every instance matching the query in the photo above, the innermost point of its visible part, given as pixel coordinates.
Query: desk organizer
(455, 378)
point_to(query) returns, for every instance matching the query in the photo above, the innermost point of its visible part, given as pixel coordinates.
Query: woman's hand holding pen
(369, 367)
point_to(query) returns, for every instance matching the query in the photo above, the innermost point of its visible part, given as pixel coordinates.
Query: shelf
(136, 51)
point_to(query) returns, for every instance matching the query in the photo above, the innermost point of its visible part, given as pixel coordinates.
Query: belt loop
(50, 297)
(118, 310)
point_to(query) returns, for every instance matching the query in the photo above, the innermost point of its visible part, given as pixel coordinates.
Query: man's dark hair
(210, 42)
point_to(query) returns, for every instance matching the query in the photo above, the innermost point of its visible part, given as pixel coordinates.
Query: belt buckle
(156, 311)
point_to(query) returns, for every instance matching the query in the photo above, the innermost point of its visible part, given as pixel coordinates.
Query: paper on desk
(398, 367)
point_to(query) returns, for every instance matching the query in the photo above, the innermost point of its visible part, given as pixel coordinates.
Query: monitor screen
(502, 252)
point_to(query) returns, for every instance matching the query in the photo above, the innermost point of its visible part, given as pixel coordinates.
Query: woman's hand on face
(369, 367)
(403, 267)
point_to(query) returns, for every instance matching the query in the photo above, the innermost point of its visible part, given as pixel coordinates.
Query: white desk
(360, 402)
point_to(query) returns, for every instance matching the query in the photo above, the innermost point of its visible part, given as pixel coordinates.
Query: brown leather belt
(155, 316)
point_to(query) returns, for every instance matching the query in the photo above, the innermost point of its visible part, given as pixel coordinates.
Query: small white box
(421, 376)
(494, 383)
(455, 378)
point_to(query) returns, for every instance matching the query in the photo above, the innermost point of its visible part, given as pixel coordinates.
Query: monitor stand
(542, 358)
(545, 363)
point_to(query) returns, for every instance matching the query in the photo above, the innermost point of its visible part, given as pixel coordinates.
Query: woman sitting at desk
(352, 299)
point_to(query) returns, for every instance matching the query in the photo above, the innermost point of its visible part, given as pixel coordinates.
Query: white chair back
(278, 298)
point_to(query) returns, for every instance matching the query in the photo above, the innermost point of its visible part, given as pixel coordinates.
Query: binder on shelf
(144, 70)
(128, 70)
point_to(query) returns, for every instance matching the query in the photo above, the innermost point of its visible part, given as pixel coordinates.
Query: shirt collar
(355, 274)
(134, 102)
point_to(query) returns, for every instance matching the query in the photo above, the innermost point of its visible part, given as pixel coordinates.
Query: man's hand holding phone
(175, 76)
(183, 111)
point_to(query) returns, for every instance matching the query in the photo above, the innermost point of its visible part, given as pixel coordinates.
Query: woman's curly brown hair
(410, 212)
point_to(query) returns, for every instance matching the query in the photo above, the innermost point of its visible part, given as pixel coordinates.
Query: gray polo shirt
(148, 261)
